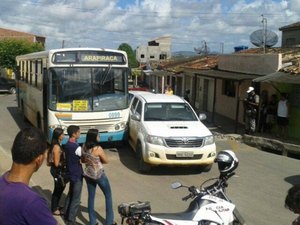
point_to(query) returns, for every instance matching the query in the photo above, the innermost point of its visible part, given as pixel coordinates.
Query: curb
(263, 143)
(272, 144)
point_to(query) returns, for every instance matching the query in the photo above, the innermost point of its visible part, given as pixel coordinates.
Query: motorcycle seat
(189, 214)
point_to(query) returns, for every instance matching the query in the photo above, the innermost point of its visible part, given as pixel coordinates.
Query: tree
(10, 48)
(133, 63)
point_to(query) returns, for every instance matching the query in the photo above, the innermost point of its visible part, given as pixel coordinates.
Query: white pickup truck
(165, 130)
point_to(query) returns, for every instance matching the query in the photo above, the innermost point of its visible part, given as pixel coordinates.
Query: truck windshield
(169, 112)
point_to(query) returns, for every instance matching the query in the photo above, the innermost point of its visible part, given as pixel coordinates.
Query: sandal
(56, 213)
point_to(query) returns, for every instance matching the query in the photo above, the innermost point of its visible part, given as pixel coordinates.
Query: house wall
(250, 64)
(293, 97)
(291, 38)
(224, 105)
(153, 53)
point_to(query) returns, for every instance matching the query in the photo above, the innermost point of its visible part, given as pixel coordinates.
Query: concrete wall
(250, 63)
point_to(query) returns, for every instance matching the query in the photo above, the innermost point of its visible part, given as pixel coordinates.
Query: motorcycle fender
(174, 222)
(207, 214)
(220, 212)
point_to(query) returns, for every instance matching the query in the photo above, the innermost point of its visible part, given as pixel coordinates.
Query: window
(290, 42)
(30, 73)
(162, 56)
(142, 56)
(229, 88)
(135, 100)
(139, 108)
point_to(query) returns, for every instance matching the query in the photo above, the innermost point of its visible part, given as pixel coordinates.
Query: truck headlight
(209, 140)
(154, 140)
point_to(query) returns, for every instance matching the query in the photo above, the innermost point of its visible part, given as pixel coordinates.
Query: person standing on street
(19, 204)
(56, 159)
(94, 157)
(283, 116)
(73, 174)
(251, 104)
(168, 90)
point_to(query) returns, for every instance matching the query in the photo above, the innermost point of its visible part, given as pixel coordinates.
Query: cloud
(107, 23)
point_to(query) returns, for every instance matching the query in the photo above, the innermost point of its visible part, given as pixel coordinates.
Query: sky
(219, 24)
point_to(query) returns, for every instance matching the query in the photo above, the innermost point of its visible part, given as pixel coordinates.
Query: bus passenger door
(45, 102)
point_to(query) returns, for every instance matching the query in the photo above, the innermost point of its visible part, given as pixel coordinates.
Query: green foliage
(136, 72)
(133, 63)
(10, 48)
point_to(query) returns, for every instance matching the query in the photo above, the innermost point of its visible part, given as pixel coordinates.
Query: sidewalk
(226, 127)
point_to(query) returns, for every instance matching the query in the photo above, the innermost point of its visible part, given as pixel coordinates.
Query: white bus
(87, 87)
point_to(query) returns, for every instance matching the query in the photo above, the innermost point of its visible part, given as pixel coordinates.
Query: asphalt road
(258, 189)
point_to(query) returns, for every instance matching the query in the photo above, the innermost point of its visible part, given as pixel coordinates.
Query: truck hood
(177, 129)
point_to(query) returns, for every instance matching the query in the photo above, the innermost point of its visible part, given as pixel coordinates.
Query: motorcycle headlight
(209, 140)
(155, 140)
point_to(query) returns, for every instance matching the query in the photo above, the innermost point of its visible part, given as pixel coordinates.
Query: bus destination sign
(100, 58)
(89, 57)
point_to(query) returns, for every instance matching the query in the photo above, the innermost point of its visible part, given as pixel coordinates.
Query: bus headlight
(155, 140)
(209, 140)
(120, 126)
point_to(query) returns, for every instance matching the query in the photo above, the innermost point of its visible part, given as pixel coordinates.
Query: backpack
(50, 158)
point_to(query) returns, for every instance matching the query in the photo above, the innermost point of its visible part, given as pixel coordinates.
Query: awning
(226, 75)
(280, 77)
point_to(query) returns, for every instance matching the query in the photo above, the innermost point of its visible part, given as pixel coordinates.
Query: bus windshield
(88, 89)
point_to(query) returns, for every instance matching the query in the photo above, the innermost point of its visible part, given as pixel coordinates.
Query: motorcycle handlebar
(219, 184)
(187, 197)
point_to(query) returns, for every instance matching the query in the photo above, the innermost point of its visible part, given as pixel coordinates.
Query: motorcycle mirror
(176, 185)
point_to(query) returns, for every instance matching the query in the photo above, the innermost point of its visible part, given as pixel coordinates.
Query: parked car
(7, 85)
(165, 130)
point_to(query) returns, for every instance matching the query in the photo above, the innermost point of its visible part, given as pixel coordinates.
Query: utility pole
(264, 22)
(222, 47)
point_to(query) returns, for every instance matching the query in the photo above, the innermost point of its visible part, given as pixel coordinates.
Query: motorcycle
(209, 206)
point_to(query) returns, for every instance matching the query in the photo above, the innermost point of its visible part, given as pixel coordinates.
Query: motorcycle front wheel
(239, 220)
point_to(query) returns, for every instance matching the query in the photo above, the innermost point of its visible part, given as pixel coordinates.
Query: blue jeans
(104, 185)
(72, 202)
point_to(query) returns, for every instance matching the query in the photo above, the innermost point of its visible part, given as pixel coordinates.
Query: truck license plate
(184, 154)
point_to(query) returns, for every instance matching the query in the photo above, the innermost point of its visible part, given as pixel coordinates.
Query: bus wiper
(105, 75)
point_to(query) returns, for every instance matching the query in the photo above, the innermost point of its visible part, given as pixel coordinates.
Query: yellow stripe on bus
(63, 115)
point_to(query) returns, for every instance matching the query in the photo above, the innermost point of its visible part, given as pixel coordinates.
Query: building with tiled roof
(7, 34)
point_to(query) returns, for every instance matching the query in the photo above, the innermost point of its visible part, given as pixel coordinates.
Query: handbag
(61, 180)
